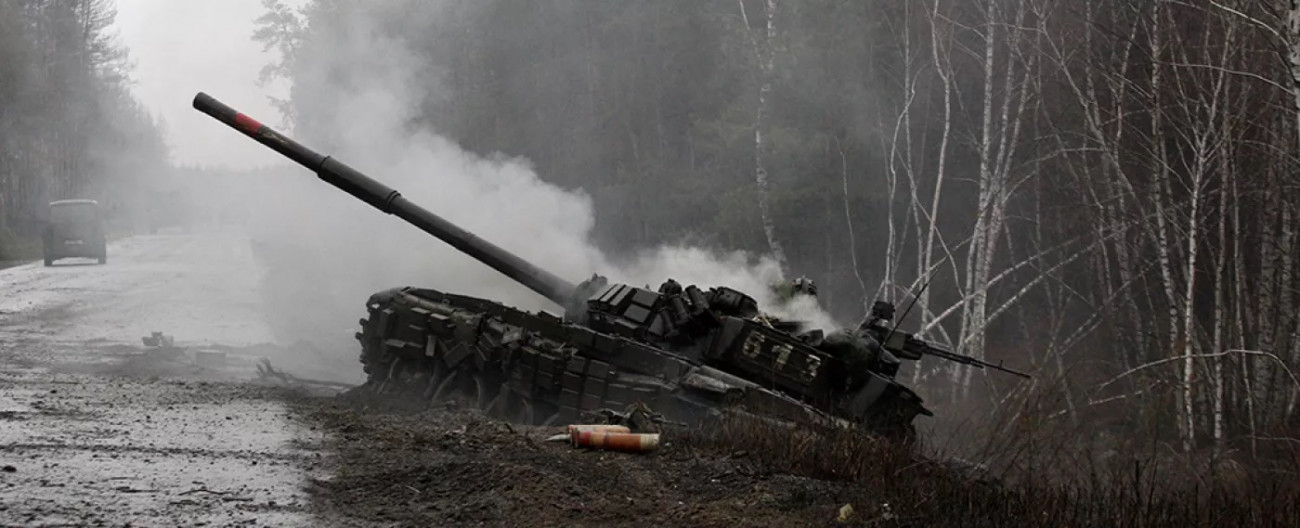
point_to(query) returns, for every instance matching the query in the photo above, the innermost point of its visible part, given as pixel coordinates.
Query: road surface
(95, 429)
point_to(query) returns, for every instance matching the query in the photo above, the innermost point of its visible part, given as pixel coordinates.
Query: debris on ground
(265, 372)
(159, 340)
(846, 513)
(608, 438)
(638, 417)
(616, 441)
(161, 346)
(635, 430)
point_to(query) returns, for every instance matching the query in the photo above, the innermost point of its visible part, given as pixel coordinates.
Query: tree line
(69, 128)
(1101, 191)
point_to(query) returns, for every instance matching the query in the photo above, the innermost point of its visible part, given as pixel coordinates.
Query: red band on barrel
(247, 124)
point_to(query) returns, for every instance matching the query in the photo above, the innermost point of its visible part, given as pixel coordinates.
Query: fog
(179, 47)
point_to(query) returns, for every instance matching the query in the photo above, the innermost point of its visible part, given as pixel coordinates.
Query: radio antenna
(898, 322)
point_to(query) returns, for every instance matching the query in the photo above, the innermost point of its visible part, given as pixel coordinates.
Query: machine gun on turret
(906, 346)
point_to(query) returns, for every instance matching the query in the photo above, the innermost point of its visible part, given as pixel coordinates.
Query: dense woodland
(1099, 191)
(69, 127)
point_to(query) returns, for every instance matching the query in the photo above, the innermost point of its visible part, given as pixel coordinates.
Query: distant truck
(74, 229)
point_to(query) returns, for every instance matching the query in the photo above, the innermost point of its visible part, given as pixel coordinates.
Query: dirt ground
(446, 466)
(136, 440)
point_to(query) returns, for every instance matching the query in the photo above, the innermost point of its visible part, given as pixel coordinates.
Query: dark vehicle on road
(74, 229)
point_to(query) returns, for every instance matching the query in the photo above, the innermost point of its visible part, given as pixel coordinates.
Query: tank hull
(538, 369)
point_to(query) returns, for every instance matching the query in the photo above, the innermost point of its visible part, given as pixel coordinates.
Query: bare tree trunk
(1265, 311)
(1286, 339)
(981, 243)
(1288, 231)
(766, 54)
(995, 183)
(1220, 299)
(943, 68)
(903, 127)
(1193, 229)
(1159, 184)
(1239, 271)
(1293, 58)
(848, 223)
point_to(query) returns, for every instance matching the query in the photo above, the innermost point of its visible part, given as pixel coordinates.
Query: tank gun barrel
(390, 201)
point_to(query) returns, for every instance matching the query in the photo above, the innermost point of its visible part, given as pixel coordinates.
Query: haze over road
(93, 429)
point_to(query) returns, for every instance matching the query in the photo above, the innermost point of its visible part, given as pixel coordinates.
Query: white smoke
(328, 251)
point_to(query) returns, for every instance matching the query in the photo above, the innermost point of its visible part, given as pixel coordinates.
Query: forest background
(1098, 191)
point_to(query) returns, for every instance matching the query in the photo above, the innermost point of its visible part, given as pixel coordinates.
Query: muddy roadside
(131, 438)
(114, 436)
(448, 466)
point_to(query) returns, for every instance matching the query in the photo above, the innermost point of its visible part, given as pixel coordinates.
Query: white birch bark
(1159, 185)
(1286, 339)
(1189, 414)
(972, 321)
(903, 127)
(765, 54)
(1220, 310)
(848, 223)
(1239, 270)
(943, 69)
(995, 181)
(1293, 58)
(1293, 61)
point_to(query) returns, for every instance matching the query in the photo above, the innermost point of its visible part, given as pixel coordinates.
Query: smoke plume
(326, 251)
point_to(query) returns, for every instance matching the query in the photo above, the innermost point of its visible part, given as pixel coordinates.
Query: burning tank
(686, 352)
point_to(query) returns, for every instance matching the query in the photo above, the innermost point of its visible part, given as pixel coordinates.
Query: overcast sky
(182, 47)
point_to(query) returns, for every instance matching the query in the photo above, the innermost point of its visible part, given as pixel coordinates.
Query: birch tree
(997, 155)
(765, 56)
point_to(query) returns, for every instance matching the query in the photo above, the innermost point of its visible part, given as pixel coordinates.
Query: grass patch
(894, 485)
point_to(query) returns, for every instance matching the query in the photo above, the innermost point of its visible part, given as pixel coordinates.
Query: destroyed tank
(685, 353)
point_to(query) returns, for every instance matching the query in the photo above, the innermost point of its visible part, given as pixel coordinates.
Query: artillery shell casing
(625, 442)
(575, 429)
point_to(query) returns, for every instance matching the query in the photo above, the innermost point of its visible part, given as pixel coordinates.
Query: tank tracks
(428, 347)
(438, 347)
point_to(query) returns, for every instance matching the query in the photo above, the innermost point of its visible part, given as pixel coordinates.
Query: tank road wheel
(390, 378)
(486, 393)
(525, 413)
(515, 407)
(444, 387)
(374, 362)
(497, 407)
(436, 377)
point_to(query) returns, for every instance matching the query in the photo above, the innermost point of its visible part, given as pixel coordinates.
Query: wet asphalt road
(97, 431)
